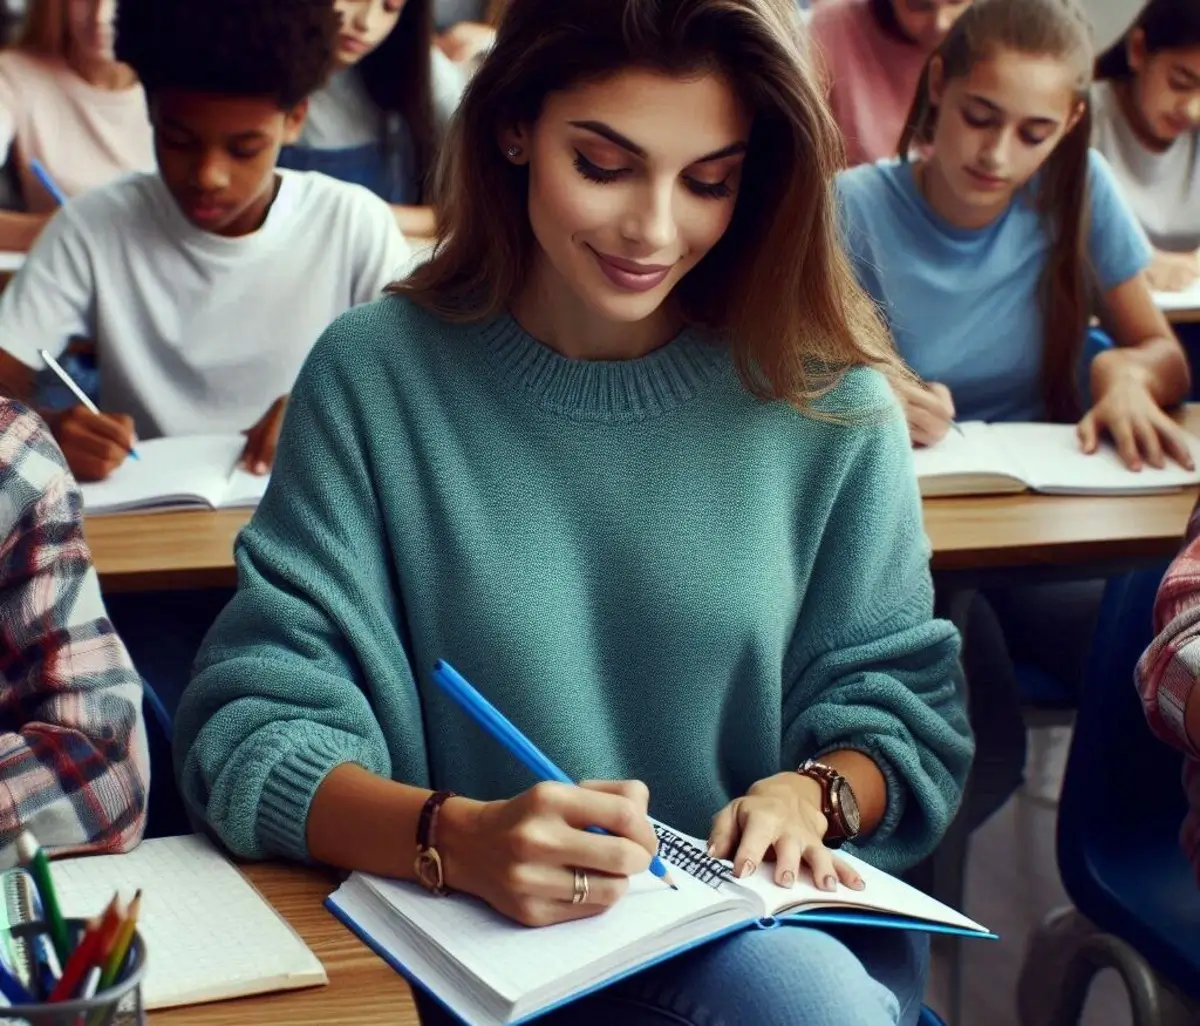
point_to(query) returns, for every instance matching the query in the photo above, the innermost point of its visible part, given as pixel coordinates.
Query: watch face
(848, 805)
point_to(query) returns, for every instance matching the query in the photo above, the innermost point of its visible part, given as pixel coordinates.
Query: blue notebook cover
(415, 966)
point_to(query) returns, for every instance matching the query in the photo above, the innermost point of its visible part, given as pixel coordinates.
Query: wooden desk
(1184, 316)
(363, 990)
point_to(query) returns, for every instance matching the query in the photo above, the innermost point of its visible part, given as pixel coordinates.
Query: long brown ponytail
(1051, 28)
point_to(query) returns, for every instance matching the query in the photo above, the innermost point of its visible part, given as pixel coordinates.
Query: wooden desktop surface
(363, 990)
(194, 549)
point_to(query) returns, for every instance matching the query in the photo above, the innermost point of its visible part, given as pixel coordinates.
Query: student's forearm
(1157, 363)
(16, 379)
(363, 822)
(416, 222)
(19, 231)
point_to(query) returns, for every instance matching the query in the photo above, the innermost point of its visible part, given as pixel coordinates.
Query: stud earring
(514, 152)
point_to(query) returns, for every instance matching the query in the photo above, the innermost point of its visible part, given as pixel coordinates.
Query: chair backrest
(1115, 760)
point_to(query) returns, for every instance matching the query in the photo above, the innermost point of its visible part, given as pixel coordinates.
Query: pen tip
(673, 887)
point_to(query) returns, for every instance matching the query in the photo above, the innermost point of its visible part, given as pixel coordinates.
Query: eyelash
(977, 122)
(604, 176)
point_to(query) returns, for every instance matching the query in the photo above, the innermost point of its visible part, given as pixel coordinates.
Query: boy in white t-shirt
(204, 285)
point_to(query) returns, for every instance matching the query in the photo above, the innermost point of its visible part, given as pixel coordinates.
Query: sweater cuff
(288, 792)
(897, 788)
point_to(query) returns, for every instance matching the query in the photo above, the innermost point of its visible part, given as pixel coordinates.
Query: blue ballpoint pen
(503, 730)
(48, 183)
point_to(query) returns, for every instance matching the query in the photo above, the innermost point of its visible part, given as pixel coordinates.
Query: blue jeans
(789, 976)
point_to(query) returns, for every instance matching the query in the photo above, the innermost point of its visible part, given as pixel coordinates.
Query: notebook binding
(698, 864)
(19, 899)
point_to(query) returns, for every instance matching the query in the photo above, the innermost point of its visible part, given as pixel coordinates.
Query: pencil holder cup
(119, 1005)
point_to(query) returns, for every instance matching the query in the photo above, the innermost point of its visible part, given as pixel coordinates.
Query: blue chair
(930, 1018)
(165, 814)
(1118, 850)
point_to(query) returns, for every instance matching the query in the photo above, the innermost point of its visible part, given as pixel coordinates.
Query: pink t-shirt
(872, 77)
(82, 135)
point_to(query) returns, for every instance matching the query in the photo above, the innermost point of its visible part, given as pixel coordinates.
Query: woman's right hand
(1173, 272)
(94, 444)
(520, 855)
(929, 410)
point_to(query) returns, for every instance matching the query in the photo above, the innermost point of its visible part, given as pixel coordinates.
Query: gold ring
(580, 895)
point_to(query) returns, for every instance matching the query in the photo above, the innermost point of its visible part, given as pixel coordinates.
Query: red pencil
(88, 952)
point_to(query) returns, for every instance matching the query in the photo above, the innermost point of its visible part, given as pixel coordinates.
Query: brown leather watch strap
(427, 824)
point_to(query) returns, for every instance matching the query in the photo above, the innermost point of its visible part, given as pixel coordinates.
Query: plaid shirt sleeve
(1170, 670)
(73, 758)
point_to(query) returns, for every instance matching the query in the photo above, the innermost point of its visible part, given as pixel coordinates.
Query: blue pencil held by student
(456, 686)
(70, 962)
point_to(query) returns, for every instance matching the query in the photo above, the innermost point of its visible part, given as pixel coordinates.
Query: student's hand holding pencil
(928, 409)
(523, 856)
(94, 444)
(261, 440)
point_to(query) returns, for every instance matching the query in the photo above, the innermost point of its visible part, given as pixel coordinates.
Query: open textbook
(489, 970)
(989, 459)
(194, 471)
(1179, 302)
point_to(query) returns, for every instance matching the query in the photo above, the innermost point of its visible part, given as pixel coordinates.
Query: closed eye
(594, 172)
(710, 190)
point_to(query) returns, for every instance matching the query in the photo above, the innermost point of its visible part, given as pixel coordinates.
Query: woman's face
(90, 28)
(365, 24)
(1166, 89)
(926, 22)
(998, 125)
(632, 180)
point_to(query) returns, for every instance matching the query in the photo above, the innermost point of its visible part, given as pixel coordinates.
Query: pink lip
(352, 45)
(205, 213)
(630, 275)
(986, 180)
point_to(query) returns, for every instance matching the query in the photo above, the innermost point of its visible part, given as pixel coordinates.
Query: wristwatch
(428, 865)
(837, 803)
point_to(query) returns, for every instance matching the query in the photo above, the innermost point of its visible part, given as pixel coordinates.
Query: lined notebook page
(209, 934)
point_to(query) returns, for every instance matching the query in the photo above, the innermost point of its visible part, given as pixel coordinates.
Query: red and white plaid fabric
(73, 761)
(1170, 670)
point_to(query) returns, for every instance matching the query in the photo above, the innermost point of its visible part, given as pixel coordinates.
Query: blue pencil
(503, 730)
(48, 183)
(12, 988)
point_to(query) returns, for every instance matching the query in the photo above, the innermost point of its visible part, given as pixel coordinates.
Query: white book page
(513, 961)
(192, 470)
(244, 489)
(972, 453)
(883, 893)
(1172, 302)
(11, 261)
(1052, 462)
(209, 935)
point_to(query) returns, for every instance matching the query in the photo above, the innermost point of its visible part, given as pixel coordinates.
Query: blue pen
(502, 729)
(13, 989)
(48, 183)
(79, 393)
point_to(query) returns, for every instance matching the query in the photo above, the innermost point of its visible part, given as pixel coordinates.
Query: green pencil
(30, 855)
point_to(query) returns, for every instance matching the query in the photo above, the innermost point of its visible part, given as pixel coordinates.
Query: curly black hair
(283, 49)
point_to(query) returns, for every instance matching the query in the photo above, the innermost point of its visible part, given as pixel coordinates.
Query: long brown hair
(44, 31)
(1049, 28)
(397, 77)
(778, 284)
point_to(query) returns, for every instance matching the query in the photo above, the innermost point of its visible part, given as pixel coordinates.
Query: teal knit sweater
(651, 572)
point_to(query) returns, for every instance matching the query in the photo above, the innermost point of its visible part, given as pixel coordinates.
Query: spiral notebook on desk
(488, 970)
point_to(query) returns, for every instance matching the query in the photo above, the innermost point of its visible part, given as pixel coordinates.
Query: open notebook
(1178, 302)
(209, 934)
(194, 471)
(486, 969)
(989, 459)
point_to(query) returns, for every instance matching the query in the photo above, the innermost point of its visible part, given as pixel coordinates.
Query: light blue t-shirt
(964, 304)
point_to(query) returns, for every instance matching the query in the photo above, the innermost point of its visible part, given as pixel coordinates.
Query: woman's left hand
(781, 814)
(1140, 429)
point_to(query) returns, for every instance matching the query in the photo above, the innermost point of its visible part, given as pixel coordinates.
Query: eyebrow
(254, 135)
(617, 139)
(996, 109)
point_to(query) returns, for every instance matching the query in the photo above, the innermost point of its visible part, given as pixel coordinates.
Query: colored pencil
(48, 183)
(31, 856)
(81, 961)
(120, 948)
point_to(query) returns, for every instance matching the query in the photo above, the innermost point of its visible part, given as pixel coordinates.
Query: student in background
(466, 29)
(638, 280)
(72, 740)
(1168, 675)
(872, 53)
(984, 255)
(205, 283)
(66, 101)
(1146, 109)
(379, 119)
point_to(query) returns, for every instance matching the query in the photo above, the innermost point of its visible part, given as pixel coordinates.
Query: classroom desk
(363, 990)
(194, 549)
(1184, 316)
